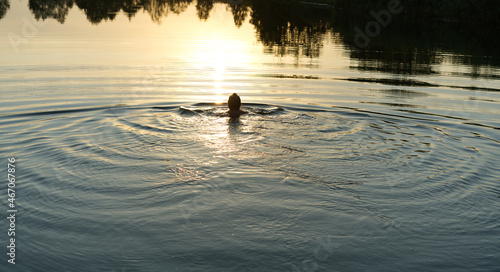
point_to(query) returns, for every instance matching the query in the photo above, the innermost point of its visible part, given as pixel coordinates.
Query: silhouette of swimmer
(234, 104)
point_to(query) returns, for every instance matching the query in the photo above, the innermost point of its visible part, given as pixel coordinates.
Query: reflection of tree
(156, 9)
(203, 8)
(56, 9)
(290, 30)
(130, 7)
(240, 12)
(97, 10)
(178, 6)
(396, 61)
(408, 46)
(297, 41)
(4, 6)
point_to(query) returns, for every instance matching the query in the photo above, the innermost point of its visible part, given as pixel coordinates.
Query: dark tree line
(4, 7)
(467, 11)
(56, 9)
(98, 11)
(409, 44)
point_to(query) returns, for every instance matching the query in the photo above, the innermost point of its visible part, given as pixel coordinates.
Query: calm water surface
(348, 161)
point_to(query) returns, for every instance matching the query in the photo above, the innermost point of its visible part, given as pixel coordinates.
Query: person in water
(234, 105)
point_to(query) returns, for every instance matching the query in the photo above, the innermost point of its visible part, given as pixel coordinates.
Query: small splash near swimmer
(235, 108)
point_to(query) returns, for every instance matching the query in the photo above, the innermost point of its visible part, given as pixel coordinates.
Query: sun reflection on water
(225, 136)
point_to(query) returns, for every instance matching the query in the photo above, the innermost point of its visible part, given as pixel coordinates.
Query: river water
(348, 160)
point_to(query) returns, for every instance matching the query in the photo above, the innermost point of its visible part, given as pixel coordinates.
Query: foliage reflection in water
(404, 45)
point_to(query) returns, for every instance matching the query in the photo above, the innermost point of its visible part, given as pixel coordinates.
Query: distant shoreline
(467, 11)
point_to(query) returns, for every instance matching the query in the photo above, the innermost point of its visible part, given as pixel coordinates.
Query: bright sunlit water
(126, 163)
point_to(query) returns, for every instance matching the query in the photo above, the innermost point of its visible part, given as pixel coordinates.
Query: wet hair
(234, 102)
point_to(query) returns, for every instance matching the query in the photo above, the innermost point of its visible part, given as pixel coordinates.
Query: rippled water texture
(126, 161)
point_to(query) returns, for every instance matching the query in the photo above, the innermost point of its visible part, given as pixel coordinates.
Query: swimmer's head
(234, 102)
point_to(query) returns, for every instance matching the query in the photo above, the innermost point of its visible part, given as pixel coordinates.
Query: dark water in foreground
(343, 164)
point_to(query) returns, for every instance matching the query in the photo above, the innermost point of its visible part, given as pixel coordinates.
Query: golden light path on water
(209, 58)
(214, 45)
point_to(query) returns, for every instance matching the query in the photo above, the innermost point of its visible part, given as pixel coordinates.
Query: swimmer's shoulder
(237, 113)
